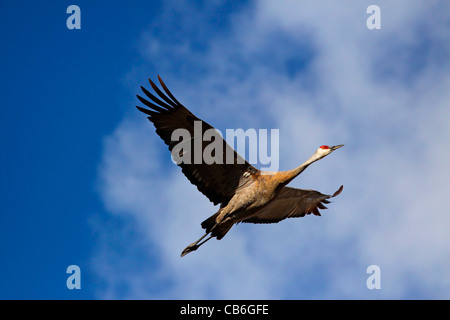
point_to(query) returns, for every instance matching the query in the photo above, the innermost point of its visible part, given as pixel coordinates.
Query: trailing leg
(217, 230)
(194, 246)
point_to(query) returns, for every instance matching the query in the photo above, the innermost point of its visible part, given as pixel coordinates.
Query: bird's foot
(189, 248)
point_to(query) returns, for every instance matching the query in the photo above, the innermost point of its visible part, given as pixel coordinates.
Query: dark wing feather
(218, 181)
(292, 203)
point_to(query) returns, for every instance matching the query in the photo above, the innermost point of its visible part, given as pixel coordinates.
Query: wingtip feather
(163, 85)
(338, 191)
(162, 95)
(146, 111)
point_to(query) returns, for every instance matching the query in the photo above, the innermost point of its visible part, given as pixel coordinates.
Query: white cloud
(371, 90)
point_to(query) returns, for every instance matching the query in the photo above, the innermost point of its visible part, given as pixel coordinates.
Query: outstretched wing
(292, 203)
(216, 174)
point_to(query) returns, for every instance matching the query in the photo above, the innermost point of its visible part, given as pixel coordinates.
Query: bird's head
(324, 150)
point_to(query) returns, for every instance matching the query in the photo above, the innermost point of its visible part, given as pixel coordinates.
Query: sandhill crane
(245, 194)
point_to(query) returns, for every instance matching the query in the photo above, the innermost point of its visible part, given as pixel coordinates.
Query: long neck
(288, 176)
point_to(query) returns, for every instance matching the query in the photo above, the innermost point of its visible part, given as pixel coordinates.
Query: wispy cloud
(319, 75)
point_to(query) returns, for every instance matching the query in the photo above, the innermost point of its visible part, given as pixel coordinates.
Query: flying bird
(245, 194)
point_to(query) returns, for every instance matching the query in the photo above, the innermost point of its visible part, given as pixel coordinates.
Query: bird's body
(245, 194)
(258, 192)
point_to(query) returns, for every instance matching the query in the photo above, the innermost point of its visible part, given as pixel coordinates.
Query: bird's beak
(336, 147)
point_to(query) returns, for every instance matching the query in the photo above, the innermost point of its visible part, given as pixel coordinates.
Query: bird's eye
(324, 147)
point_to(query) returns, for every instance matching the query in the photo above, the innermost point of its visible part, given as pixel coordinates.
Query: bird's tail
(218, 230)
(209, 223)
(222, 228)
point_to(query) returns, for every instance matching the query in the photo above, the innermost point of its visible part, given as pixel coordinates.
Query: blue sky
(61, 95)
(86, 181)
